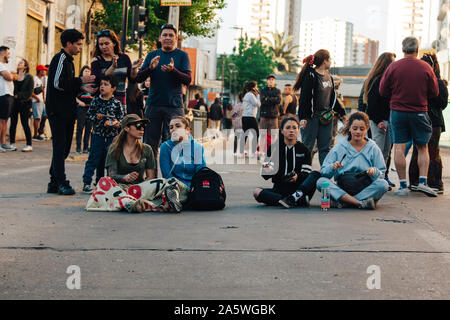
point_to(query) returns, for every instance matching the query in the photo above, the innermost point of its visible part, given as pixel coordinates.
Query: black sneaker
(173, 197)
(87, 188)
(304, 201)
(288, 202)
(65, 189)
(52, 187)
(78, 150)
(85, 151)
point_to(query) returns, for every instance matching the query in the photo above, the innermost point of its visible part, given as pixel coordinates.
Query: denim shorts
(407, 126)
(38, 109)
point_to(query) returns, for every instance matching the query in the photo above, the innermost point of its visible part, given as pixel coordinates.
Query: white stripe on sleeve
(59, 71)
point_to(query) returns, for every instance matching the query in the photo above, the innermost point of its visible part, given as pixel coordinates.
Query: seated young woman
(129, 161)
(181, 157)
(294, 183)
(358, 167)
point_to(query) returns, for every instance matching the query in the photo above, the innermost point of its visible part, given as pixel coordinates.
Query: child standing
(105, 113)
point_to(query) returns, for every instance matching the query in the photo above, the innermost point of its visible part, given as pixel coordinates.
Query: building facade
(32, 29)
(365, 50)
(329, 33)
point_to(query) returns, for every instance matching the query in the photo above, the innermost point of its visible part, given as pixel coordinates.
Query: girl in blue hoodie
(181, 157)
(355, 155)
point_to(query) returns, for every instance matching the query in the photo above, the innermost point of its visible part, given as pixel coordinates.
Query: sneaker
(288, 202)
(438, 190)
(427, 190)
(2, 150)
(401, 192)
(413, 187)
(335, 204)
(85, 151)
(11, 147)
(390, 183)
(173, 197)
(78, 150)
(368, 204)
(38, 138)
(43, 137)
(304, 201)
(65, 189)
(52, 187)
(27, 149)
(87, 188)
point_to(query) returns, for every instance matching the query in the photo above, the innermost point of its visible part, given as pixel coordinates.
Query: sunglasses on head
(168, 26)
(139, 125)
(104, 33)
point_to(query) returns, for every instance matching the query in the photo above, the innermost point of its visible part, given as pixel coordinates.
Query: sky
(369, 18)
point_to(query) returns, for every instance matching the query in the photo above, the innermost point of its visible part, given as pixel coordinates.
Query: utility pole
(174, 16)
(124, 24)
(141, 42)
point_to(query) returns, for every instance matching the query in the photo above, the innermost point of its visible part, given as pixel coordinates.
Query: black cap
(270, 76)
(132, 118)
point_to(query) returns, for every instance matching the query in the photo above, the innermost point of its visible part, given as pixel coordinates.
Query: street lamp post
(231, 66)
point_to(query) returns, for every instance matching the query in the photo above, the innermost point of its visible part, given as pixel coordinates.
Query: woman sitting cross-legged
(358, 167)
(181, 157)
(290, 170)
(131, 183)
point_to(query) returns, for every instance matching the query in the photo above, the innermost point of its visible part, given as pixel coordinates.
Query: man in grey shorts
(409, 82)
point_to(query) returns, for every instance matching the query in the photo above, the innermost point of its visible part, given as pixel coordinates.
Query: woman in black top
(435, 107)
(318, 102)
(23, 92)
(290, 170)
(378, 108)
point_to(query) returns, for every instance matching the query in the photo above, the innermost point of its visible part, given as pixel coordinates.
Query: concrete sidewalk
(247, 251)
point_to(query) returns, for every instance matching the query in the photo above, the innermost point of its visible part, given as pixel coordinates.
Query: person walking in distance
(169, 69)
(410, 82)
(38, 101)
(251, 104)
(290, 103)
(61, 106)
(318, 102)
(6, 95)
(269, 110)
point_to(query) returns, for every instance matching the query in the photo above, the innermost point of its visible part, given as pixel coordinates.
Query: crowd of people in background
(129, 112)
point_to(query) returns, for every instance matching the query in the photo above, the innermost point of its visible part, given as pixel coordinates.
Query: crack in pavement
(300, 250)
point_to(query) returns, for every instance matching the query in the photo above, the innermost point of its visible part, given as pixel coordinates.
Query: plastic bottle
(325, 200)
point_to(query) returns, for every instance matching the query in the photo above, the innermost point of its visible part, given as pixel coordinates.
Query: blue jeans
(376, 190)
(97, 158)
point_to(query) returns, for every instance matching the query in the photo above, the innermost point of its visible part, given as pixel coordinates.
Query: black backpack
(207, 191)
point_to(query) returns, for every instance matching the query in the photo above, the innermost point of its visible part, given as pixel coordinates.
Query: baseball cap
(132, 118)
(270, 76)
(41, 67)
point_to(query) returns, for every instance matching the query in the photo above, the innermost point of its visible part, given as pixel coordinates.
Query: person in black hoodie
(61, 106)
(270, 109)
(290, 170)
(378, 108)
(435, 107)
(318, 102)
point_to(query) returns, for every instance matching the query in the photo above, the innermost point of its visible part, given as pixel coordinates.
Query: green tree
(284, 52)
(200, 19)
(252, 61)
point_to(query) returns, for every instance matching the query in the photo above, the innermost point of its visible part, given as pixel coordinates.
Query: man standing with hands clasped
(61, 106)
(169, 69)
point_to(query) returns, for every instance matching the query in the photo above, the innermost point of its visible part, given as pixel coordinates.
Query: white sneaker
(426, 189)
(27, 149)
(401, 192)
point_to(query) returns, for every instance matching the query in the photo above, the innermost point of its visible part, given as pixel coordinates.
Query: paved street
(247, 251)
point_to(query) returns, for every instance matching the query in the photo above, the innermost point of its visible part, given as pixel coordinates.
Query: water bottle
(325, 200)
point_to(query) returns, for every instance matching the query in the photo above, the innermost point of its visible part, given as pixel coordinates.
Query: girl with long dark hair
(23, 92)
(378, 108)
(318, 102)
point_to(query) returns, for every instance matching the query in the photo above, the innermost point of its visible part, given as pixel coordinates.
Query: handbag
(353, 183)
(326, 117)
(38, 90)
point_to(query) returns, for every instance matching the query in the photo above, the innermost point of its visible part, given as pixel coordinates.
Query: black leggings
(24, 109)
(271, 197)
(247, 124)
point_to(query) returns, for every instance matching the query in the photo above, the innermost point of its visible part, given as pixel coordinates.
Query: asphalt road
(247, 251)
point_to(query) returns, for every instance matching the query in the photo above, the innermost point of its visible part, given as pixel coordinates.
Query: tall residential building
(365, 50)
(412, 18)
(331, 34)
(292, 18)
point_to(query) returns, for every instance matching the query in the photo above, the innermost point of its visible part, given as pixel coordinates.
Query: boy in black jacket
(61, 107)
(294, 183)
